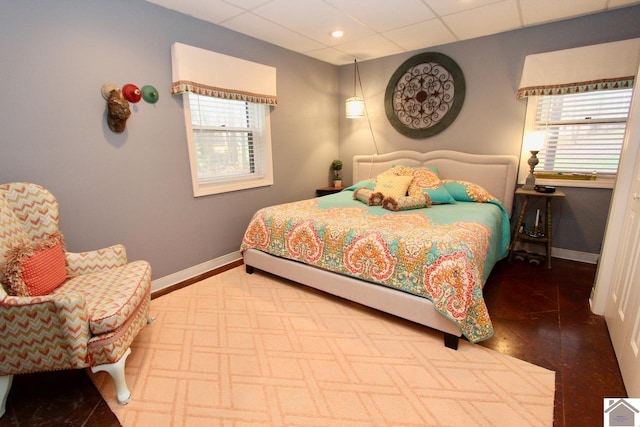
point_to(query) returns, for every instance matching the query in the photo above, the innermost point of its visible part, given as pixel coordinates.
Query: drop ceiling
(377, 28)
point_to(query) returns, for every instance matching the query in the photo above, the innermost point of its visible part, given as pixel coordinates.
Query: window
(227, 103)
(229, 144)
(584, 133)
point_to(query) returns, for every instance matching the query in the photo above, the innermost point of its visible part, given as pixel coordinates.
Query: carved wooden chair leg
(116, 370)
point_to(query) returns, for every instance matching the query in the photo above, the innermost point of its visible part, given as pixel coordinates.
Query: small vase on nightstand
(337, 183)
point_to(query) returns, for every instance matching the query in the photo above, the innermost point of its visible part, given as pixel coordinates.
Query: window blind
(227, 137)
(584, 131)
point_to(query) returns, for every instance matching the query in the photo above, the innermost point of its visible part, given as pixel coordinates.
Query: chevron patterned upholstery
(89, 321)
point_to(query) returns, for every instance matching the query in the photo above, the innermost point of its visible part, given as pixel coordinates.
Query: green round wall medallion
(424, 95)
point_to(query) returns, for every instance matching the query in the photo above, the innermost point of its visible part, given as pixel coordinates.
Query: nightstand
(545, 232)
(328, 190)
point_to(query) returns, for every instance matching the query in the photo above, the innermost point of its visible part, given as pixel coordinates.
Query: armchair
(62, 310)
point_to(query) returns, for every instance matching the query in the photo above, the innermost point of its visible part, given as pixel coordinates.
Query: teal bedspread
(444, 252)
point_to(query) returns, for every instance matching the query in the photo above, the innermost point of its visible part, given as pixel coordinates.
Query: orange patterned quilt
(443, 253)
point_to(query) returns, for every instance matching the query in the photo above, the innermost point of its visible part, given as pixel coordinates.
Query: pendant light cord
(364, 101)
(355, 74)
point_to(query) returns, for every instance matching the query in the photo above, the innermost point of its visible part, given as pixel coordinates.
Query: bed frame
(496, 173)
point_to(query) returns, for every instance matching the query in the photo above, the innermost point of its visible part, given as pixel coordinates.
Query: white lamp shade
(534, 141)
(355, 108)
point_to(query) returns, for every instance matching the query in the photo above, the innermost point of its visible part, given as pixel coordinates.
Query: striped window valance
(583, 69)
(221, 76)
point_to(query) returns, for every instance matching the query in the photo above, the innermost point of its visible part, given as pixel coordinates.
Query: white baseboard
(586, 257)
(569, 254)
(188, 273)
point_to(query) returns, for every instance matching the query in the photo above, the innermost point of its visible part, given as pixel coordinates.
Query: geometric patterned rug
(257, 350)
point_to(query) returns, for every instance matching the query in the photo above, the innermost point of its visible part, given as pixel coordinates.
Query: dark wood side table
(547, 236)
(328, 190)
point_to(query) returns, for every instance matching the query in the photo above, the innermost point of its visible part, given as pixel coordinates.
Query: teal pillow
(464, 191)
(426, 181)
(457, 190)
(433, 169)
(439, 195)
(367, 183)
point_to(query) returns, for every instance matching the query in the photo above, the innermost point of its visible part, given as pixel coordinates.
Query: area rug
(256, 350)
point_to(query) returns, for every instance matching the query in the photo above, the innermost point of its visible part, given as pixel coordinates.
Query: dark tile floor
(539, 315)
(60, 398)
(542, 316)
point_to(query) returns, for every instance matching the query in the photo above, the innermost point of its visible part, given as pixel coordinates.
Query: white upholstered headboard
(495, 173)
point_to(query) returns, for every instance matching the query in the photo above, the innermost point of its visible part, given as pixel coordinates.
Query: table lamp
(533, 142)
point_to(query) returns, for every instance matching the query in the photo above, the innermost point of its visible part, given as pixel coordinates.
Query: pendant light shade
(355, 105)
(355, 108)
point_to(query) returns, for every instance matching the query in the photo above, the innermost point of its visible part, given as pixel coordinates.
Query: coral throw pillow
(36, 268)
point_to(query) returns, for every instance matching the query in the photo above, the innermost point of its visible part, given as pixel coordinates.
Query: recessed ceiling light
(337, 34)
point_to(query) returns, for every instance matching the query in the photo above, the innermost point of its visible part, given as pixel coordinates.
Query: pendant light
(355, 104)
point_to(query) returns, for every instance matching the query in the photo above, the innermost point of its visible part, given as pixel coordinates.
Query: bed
(426, 265)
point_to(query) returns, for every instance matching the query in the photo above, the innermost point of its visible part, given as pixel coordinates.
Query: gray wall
(135, 188)
(492, 119)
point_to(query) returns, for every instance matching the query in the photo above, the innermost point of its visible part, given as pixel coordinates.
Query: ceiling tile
(313, 18)
(215, 11)
(243, 4)
(417, 36)
(491, 19)
(331, 55)
(383, 15)
(377, 28)
(259, 28)
(540, 11)
(370, 48)
(448, 7)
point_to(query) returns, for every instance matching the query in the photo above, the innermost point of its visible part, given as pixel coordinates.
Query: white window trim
(602, 181)
(225, 185)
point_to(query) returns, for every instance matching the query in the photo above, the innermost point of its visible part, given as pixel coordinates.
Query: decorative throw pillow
(392, 186)
(408, 202)
(402, 170)
(367, 196)
(376, 199)
(423, 178)
(464, 191)
(439, 195)
(367, 183)
(362, 194)
(397, 170)
(36, 268)
(427, 181)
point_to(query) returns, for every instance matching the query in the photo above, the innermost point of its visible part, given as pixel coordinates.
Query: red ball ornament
(131, 93)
